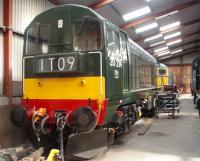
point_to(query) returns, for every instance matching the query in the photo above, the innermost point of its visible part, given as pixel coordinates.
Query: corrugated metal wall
(23, 13)
(17, 57)
(25, 10)
(1, 47)
(1, 12)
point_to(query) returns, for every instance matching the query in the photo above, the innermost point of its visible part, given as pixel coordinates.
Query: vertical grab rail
(101, 83)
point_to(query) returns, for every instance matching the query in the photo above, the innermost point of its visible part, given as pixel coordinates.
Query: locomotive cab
(61, 63)
(163, 76)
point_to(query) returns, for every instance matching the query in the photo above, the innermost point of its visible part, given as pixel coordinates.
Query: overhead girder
(148, 18)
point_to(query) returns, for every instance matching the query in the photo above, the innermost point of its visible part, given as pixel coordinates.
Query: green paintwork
(119, 77)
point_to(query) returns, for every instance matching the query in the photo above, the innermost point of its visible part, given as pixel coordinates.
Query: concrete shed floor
(166, 140)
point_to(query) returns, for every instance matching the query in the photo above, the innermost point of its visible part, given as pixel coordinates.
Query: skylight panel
(153, 37)
(160, 49)
(174, 42)
(176, 51)
(163, 53)
(175, 24)
(146, 28)
(163, 16)
(158, 43)
(136, 13)
(172, 35)
(166, 57)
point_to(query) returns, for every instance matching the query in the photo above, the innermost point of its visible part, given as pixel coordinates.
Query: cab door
(114, 78)
(125, 65)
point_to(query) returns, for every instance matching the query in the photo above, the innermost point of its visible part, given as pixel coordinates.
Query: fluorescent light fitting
(163, 53)
(146, 28)
(153, 37)
(136, 13)
(157, 43)
(174, 42)
(161, 49)
(148, 0)
(163, 28)
(171, 13)
(176, 51)
(166, 57)
(172, 35)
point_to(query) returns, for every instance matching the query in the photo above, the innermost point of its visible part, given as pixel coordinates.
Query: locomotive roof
(142, 52)
(73, 5)
(161, 65)
(67, 5)
(139, 49)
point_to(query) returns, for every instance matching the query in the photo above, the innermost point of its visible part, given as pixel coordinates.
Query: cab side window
(124, 55)
(113, 47)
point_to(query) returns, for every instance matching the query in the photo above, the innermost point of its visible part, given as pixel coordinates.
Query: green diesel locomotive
(84, 76)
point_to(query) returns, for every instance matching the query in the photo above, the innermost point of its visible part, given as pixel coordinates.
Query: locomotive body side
(130, 74)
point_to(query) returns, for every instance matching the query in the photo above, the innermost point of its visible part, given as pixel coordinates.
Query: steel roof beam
(186, 52)
(185, 44)
(100, 4)
(179, 7)
(94, 6)
(55, 2)
(182, 37)
(172, 29)
(178, 55)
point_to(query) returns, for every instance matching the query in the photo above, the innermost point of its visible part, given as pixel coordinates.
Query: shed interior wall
(25, 10)
(23, 13)
(1, 12)
(182, 67)
(182, 76)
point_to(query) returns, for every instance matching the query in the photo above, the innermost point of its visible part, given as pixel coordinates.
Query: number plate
(64, 63)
